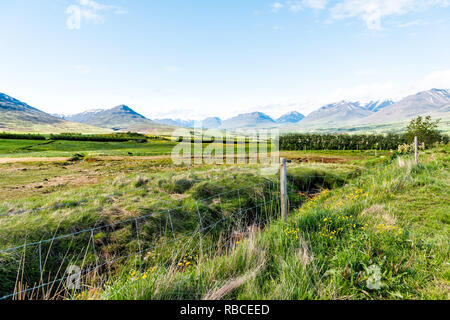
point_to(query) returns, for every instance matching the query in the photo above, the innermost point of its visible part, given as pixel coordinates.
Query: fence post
(416, 149)
(283, 189)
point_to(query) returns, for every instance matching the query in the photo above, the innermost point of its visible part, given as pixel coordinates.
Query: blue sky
(198, 58)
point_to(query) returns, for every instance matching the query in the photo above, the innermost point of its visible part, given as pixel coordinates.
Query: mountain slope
(426, 102)
(17, 116)
(376, 106)
(212, 123)
(337, 113)
(291, 117)
(249, 120)
(120, 118)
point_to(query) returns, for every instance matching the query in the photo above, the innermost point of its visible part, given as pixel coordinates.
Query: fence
(37, 270)
(42, 264)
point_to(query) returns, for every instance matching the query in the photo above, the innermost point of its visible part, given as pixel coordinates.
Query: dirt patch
(62, 159)
(319, 159)
(31, 159)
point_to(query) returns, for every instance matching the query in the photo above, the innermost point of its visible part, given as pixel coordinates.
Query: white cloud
(276, 6)
(88, 11)
(297, 5)
(438, 79)
(315, 4)
(410, 24)
(373, 11)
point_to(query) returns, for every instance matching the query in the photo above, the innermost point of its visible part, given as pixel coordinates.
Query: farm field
(62, 148)
(349, 210)
(16, 148)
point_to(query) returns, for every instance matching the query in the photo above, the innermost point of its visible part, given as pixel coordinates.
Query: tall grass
(126, 222)
(360, 241)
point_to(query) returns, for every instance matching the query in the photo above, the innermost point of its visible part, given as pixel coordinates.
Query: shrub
(425, 129)
(21, 136)
(115, 137)
(297, 141)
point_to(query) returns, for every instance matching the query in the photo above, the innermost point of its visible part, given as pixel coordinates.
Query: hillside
(212, 123)
(336, 113)
(434, 102)
(249, 120)
(291, 117)
(120, 118)
(17, 116)
(376, 106)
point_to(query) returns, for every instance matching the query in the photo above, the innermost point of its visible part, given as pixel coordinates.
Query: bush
(115, 137)
(297, 141)
(21, 136)
(426, 131)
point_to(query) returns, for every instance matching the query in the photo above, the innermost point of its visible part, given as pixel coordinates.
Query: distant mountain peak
(338, 112)
(18, 116)
(123, 107)
(431, 101)
(341, 104)
(121, 117)
(247, 120)
(291, 117)
(212, 123)
(124, 110)
(446, 91)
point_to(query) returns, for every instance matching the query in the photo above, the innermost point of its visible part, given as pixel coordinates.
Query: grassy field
(61, 148)
(383, 236)
(353, 214)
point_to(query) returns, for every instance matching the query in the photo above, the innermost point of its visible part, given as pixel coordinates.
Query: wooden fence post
(416, 149)
(283, 189)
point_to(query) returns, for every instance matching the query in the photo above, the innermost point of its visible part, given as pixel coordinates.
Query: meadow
(64, 148)
(383, 235)
(362, 224)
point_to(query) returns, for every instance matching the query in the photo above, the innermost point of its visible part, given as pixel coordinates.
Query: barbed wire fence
(38, 262)
(38, 270)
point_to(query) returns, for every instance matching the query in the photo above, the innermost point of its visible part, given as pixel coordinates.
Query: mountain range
(120, 118)
(19, 116)
(245, 120)
(435, 102)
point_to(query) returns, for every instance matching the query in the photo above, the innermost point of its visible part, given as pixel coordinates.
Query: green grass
(394, 218)
(324, 251)
(61, 148)
(129, 189)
